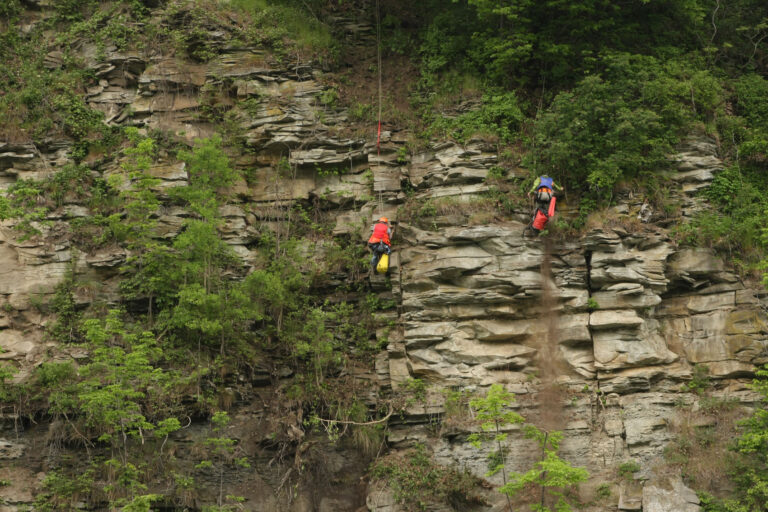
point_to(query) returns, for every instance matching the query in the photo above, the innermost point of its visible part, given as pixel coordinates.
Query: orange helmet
(383, 219)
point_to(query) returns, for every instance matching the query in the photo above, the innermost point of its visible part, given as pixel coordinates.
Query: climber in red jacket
(379, 242)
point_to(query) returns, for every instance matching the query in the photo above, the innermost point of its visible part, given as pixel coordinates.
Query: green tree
(753, 443)
(492, 411)
(210, 173)
(552, 474)
(223, 450)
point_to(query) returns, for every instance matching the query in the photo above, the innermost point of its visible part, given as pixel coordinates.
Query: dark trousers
(377, 250)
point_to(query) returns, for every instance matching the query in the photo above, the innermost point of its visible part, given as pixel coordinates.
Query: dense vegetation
(595, 93)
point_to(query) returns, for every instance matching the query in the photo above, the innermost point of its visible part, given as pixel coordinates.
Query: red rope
(378, 58)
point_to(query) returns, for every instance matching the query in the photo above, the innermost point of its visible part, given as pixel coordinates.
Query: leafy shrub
(623, 122)
(418, 481)
(10, 9)
(66, 328)
(61, 492)
(73, 10)
(603, 491)
(292, 24)
(736, 225)
(700, 380)
(629, 468)
(552, 474)
(499, 115)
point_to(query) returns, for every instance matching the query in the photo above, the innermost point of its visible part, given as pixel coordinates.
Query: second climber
(544, 204)
(379, 242)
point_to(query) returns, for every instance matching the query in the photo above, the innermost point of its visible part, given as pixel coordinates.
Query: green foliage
(121, 375)
(10, 9)
(628, 469)
(499, 115)
(40, 101)
(531, 41)
(752, 479)
(223, 453)
(61, 493)
(456, 403)
(751, 94)
(603, 491)
(285, 23)
(418, 481)
(362, 112)
(30, 201)
(73, 10)
(736, 225)
(700, 380)
(79, 120)
(7, 389)
(209, 174)
(622, 123)
(710, 503)
(139, 199)
(416, 388)
(110, 24)
(493, 414)
(592, 304)
(123, 398)
(329, 97)
(23, 201)
(551, 473)
(66, 328)
(141, 503)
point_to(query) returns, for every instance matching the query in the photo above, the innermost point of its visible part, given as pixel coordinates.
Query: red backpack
(540, 219)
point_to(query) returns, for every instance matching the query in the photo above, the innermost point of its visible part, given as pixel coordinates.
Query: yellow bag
(383, 265)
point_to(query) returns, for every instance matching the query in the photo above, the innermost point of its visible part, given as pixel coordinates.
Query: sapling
(551, 472)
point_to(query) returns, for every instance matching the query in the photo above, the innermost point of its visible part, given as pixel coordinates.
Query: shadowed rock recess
(631, 312)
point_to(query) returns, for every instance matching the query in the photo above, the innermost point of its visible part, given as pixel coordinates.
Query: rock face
(624, 314)
(671, 495)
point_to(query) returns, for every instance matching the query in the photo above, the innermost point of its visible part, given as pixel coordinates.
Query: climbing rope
(378, 58)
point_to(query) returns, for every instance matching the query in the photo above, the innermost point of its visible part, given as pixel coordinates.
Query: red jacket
(380, 234)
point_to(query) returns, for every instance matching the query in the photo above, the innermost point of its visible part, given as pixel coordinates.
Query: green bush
(700, 380)
(751, 94)
(288, 23)
(629, 468)
(623, 122)
(10, 9)
(499, 115)
(736, 225)
(73, 10)
(418, 481)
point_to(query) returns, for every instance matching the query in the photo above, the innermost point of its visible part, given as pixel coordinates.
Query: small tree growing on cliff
(551, 473)
(492, 411)
(753, 444)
